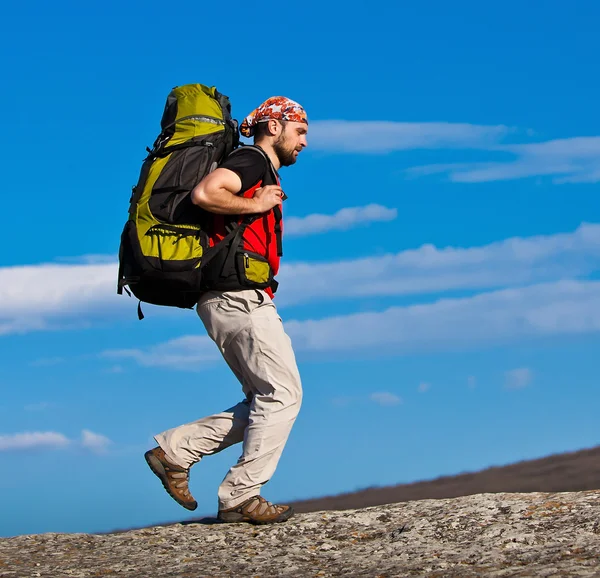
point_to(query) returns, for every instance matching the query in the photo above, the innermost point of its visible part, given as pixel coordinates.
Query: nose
(303, 142)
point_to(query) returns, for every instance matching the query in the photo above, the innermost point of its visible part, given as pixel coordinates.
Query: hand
(267, 197)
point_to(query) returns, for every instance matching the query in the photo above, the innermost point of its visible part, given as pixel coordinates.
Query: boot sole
(158, 469)
(236, 518)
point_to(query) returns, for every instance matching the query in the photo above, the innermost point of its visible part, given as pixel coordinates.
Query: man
(247, 329)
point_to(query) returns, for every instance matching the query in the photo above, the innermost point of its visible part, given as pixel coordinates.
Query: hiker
(246, 327)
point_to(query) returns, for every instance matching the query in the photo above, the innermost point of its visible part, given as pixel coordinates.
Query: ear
(274, 127)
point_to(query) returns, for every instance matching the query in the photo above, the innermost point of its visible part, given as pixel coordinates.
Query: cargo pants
(249, 333)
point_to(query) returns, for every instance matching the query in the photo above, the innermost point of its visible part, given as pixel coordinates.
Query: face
(290, 142)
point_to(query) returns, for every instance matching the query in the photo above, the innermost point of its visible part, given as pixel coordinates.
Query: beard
(284, 153)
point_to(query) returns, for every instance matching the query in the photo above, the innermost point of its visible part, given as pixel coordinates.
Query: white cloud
(428, 269)
(92, 259)
(52, 440)
(33, 440)
(97, 443)
(570, 160)
(505, 316)
(45, 297)
(343, 220)
(53, 296)
(23, 324)
(186, 353)
(385, 398)
(562, 308)
(385, 136)
(518, 378)
(423, 387)
(36, 297)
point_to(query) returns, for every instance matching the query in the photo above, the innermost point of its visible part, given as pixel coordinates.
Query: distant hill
(568, 472)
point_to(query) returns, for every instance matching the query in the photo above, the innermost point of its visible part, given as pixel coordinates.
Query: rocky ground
(537, 534)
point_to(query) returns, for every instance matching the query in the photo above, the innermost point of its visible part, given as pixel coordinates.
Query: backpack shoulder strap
(275, 177)
(270, 168)
(277, 209)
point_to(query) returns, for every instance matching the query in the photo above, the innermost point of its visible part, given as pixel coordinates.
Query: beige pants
(249, 333)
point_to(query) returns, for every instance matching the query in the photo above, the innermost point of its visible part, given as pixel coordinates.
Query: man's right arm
(217, 193)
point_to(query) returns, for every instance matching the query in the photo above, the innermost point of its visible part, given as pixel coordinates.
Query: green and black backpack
(164, 242)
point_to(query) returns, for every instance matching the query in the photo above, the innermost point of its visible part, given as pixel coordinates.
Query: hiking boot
(174, 478)
(256, 510)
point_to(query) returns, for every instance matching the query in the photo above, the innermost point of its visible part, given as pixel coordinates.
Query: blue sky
(440, 278)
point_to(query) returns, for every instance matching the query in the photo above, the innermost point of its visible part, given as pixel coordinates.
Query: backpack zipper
(200, 117)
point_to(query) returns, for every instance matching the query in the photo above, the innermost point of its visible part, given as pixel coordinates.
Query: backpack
(164, 244)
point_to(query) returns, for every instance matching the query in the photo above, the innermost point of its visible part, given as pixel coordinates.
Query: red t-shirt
(259, 237)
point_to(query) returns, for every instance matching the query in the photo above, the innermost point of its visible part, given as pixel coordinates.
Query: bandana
(276, 107)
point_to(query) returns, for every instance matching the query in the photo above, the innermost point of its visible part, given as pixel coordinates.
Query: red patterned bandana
(276, 107)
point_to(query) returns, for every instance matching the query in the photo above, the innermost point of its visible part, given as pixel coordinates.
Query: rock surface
(538, 534)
